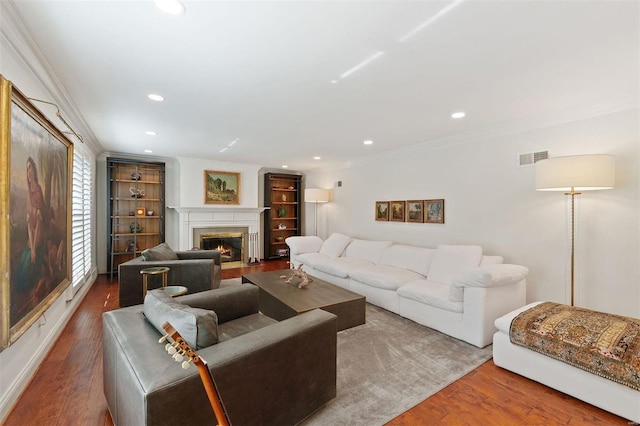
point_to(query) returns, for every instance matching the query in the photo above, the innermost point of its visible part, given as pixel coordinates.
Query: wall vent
(530, 158)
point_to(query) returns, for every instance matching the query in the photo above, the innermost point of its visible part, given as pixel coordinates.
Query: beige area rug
(389, 365)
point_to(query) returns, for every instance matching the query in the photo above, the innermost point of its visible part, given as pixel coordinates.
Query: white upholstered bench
(616, 398)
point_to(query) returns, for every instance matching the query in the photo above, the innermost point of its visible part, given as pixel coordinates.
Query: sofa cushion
(342, 266)
(199, 327)
(334, 245)
(416, 259)
(160, 252)
(384, 276)
(431, 293)
(313, 259)
(370, 251)
(304, 244)
(449, 262)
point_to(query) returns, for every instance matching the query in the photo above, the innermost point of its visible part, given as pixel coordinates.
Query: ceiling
(288, 80)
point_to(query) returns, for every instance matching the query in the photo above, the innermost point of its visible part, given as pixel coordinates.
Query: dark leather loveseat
(267, 372)
(197, 270)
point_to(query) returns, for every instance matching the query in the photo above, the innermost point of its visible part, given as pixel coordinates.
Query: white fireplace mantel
(191, 218)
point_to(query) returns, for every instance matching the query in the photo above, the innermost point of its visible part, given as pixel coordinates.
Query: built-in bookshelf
(283, 196)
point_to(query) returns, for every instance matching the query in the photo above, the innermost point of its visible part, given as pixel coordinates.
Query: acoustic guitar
(179, 350)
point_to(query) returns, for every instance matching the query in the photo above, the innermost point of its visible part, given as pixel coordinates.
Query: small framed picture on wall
(434, 211)
(414, 211)
(382, 211)
(396, 211)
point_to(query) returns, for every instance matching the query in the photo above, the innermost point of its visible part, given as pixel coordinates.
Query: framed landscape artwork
(434, 211)
(36, 160)
(382, 211)
(221, 187)
(396, 211)
(414, 211)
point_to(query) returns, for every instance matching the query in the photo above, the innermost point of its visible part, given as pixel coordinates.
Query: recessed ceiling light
(334, 81)
(458, 114)
(171, 7)
(148, 151)
(368, 142)
(284, 166)
(155, 97)
(150, 133)
(317, 158)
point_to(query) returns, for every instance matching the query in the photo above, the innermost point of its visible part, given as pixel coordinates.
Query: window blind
(81, 221)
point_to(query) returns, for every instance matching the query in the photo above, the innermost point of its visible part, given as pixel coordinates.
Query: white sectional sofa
(453, 289)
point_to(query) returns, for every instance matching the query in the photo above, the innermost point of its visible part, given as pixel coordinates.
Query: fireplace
(229, 244)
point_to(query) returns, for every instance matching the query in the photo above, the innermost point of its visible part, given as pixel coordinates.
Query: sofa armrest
(228, 303)
(497, 275)
(304, 244)
(492, 276)
(200, 254)
(278, 374)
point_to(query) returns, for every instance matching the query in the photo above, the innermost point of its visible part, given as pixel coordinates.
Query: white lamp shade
(316, 195)
(580, 172)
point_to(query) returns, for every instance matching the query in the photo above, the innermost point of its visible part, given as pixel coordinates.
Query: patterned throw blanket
(603, 344)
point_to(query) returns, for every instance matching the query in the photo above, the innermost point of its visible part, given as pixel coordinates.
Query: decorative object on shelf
(141, 211)
(572, 174)
(135, 227)
(282, 211)
(136, 175)
(297, 273)
(396, 211)
(382, 211)
(284, 197)
(35, 194)
(132, 213)
(315, 196)
(136, 193)
(282, 226)
(221, 187)
(279, 238)
(149, 212)
(131, 247)
(434, 211)
(415, 211)
(283, 252)
(292, 187)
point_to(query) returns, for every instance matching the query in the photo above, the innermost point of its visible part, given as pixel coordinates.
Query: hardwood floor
(67, 389)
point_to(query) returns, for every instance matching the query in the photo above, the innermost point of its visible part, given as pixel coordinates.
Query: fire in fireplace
(230, 245)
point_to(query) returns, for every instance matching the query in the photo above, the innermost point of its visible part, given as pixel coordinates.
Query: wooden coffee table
(280, 300)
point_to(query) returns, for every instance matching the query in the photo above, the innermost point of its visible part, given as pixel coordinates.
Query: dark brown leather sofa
(267, 372)
(197, 270)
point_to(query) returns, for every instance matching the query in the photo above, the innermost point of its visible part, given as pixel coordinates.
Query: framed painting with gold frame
(414, 211)
(382, 211)
(396, 211)
(221, 187)
(434, 211)
(36, 161)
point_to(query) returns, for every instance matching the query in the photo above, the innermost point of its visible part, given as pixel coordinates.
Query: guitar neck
(212, 393)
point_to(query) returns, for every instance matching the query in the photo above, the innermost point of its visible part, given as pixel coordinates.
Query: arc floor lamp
(315, 196)
(574, 174)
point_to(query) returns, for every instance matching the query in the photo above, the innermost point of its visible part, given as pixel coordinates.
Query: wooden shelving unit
(136, 208)
(282, 193)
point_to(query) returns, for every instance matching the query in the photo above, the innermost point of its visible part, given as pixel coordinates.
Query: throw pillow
(199, 327)
(160, 252)
(334, 245)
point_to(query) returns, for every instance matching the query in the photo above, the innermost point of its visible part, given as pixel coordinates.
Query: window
(81, 202)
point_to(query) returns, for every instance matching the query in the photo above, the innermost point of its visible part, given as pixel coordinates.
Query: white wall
(20, 361)
(491, 202)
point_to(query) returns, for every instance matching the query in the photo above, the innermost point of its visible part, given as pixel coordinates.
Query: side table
(176, 290)
(157, 270)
